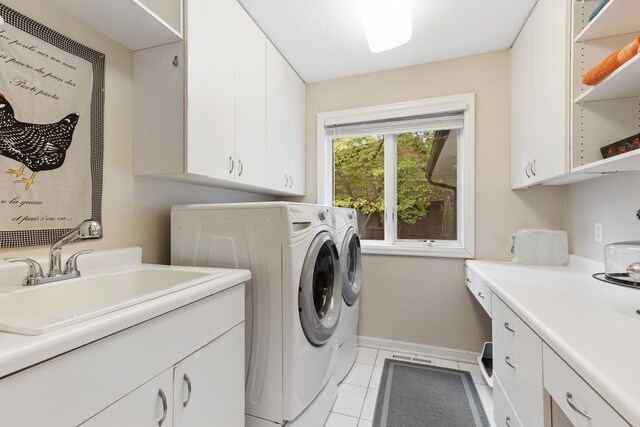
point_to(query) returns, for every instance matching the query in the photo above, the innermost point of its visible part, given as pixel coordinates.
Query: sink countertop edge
(18, 352)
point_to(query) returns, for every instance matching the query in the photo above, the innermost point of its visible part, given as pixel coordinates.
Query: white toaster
(540, 247)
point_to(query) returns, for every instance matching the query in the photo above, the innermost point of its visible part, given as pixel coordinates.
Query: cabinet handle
(231, 164)
(188, 381)
(526, 170)
(291, 182)
(507, 421)
(533, 167)
(241, 166)
(175, 61)
(480, 295)
(572, 406)
(163, 397)
(507, 360)
(468, 280)
(286, 180)
(508, 327)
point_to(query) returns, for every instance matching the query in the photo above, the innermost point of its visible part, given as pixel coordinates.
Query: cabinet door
(278, 108)
(296, 132)
(550, 97)
(250, 100)
(209, 384)
(521, 101)
(144, 407)
(210, 39)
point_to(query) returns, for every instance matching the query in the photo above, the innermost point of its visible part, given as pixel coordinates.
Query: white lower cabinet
(123, 379)
(208, 386)
(579, 402)
(205, 389)
(517, 363)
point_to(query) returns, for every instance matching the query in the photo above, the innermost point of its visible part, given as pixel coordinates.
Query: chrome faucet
(88, 229)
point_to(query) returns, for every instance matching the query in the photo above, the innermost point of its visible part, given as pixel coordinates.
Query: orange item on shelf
(611, 63)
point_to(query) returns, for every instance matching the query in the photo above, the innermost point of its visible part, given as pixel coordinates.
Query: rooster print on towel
(38, 147)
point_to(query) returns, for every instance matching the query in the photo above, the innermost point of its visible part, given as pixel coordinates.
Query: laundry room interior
(262, 213)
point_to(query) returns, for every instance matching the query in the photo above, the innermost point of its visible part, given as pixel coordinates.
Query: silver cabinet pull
(163, 397)
(507, 421)
(533, 167)
(291, 182)
(231, 164)
(286, 180)
(507, 360)
(480, 295)
(572, 406)
(468, 280)
(508, 327)
(241, 166)
(188, 381)
(526, 170)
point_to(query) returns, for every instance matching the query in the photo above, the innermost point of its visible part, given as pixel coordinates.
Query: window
(408, 171)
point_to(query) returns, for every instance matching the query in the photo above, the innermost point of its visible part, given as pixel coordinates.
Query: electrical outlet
(599, 232)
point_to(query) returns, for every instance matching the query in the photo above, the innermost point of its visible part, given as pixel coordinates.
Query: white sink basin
(43, 308)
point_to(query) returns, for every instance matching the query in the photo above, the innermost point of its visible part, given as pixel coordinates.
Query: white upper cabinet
(136, 24)
(539, 96)
(521, 90)
(250, 93)
(210, 64)
(207, 111)
(285, 125)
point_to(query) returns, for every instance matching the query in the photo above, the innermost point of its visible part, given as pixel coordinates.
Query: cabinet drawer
(503, 413)
(580, 403)
(512, 337)
(524, 390)
(479, 290)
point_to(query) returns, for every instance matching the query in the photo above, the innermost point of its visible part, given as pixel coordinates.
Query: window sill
(424, 251)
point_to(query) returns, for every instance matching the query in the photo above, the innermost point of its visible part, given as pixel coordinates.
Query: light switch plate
(598, 232)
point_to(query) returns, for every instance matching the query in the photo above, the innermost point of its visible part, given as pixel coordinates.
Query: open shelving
(617, 17)
(622, 83)
(610, 110)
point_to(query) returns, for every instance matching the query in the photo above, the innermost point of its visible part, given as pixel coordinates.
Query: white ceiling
(324, 39)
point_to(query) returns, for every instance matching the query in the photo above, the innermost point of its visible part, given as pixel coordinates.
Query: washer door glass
(320, 290)
(351, 259)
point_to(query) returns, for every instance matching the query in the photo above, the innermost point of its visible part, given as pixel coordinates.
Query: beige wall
(135, 210)
(424, 300)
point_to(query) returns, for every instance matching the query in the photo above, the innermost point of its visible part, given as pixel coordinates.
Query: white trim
(406, 250)
(419, 349)
(466, 168)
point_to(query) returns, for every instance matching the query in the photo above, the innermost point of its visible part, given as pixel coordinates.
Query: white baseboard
(427, 350)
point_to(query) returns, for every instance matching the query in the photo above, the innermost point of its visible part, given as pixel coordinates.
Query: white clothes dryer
(293, 299)
(350, 253)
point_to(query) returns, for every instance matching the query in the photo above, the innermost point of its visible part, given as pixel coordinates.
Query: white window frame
(464, 247)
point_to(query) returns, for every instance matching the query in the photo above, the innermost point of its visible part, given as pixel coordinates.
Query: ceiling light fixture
(387, 23)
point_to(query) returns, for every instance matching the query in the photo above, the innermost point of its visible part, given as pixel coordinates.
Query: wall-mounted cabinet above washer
(223, 108)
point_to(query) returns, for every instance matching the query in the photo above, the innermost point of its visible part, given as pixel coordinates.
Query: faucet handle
(34, 273)
(72, 263)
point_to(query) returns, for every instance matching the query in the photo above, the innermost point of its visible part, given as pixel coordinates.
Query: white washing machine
(293, 300)
(351, 268)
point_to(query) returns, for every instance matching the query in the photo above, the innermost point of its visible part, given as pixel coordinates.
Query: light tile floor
(357, 394)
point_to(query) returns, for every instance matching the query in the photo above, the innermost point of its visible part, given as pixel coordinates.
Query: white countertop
(592, 325)
(21, 351)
